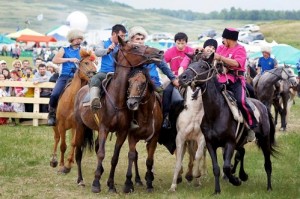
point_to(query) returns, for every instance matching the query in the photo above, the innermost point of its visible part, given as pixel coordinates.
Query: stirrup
(251, 136)
(134, 125)
(96, 104)
(166, 123)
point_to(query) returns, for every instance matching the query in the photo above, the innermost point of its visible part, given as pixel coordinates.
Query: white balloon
(77, 20)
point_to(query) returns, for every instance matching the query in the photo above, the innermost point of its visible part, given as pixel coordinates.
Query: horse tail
(88, 138)
(272, 134)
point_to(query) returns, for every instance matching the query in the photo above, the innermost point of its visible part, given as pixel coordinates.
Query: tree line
(231, 14)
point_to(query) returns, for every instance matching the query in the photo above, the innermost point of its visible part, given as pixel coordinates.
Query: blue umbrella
(5, 40)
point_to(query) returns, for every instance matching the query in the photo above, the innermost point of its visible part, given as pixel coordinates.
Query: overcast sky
(214, 5)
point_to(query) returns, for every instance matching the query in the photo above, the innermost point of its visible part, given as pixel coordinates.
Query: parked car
(250, 27)
(208, 33)
(160, 36)
(252, 37)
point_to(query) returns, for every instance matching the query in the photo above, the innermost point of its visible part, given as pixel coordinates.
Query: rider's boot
(166, 122)
(52, 116)
(95, 98)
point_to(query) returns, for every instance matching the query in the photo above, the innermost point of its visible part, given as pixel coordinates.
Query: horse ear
(211, 58)
(191, 56)
(121, 41)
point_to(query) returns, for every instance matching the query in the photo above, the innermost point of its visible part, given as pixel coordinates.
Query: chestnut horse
(65, 109)
(147, 112)
(220, 129)
(113, 116)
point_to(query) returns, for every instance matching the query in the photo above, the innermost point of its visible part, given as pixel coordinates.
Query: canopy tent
(283, 53)
(61, 30)
(25, 31)
(59, 37)
(5, 40)
(30, 38)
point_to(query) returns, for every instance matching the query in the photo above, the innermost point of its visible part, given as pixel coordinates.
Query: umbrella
(5, 40)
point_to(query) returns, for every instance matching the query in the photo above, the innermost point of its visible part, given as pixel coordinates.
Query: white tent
(61, 30)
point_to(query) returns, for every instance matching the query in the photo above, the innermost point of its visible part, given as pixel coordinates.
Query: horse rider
(266, 63)
(106, 50)
(174, 57)
(138, 34)
(67, 56)
(233, 56)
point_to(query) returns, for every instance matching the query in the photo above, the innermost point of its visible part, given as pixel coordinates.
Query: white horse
(189, 131)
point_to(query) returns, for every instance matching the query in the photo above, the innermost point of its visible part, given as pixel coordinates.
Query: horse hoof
(53, 163)
(243, 177)
(139, 183)
(96, 189)
(66, 170)
(150, 190)
(236, 182)
(282, 129)
(81, 184)
(112, 190)
(179, 180)
(189, 178)
(128, 189)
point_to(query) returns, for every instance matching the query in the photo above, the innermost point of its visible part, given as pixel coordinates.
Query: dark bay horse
(65, 109)
(147, 112)
(220, 128)
(113, 116)
(265, 89)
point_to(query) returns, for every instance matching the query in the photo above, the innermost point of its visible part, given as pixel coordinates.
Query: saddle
(231, 101)
(105, 83)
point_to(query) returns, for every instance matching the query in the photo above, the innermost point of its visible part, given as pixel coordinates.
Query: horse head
(198, 72)
(87, 65)
(140, 85)
(288, 74)
(133, 54)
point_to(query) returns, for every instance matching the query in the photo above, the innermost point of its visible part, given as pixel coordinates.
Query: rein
(148, 58)
(280, 76)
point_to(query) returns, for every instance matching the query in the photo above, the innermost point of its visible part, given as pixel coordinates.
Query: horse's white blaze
(188, 128)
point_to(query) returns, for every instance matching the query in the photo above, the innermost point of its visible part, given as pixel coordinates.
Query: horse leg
(53, 162)
(132, 155)
(192, 147)
(68, 166)
(149, 177)
(284, 113)
(227, 155)
(240, 155)
(180, 145)
(79, 142)
(114, 160)
(63, 148)
(138, 180)
(199, 160)
(102, 135)
(216, 168)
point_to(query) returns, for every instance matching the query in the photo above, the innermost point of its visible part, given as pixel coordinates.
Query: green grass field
(25, 171)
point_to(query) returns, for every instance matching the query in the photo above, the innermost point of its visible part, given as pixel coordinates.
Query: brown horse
(65, 109)
(113, 116)
(148, 115)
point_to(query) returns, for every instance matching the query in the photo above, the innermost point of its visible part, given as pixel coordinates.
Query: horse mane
(146, 73)
(87, 53)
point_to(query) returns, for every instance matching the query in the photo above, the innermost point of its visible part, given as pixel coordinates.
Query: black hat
(230, 33)
(210, 42)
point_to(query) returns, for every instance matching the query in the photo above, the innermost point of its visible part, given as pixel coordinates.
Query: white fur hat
(137, 30)
(75, 34)
(267, 49)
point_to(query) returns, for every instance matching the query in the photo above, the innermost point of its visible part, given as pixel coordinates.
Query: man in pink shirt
(233, 56)
(174, 57)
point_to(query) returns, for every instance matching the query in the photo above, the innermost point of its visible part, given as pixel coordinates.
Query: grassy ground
(25, 171)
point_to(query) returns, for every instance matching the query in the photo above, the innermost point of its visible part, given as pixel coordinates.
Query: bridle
(280, 76)
(147, 58)
(210, 73)
(141, 92)
(88, 73)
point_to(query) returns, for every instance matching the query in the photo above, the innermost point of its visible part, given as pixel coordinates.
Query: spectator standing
(42, 75)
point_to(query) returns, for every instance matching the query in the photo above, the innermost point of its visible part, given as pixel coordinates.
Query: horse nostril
(161, 52)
